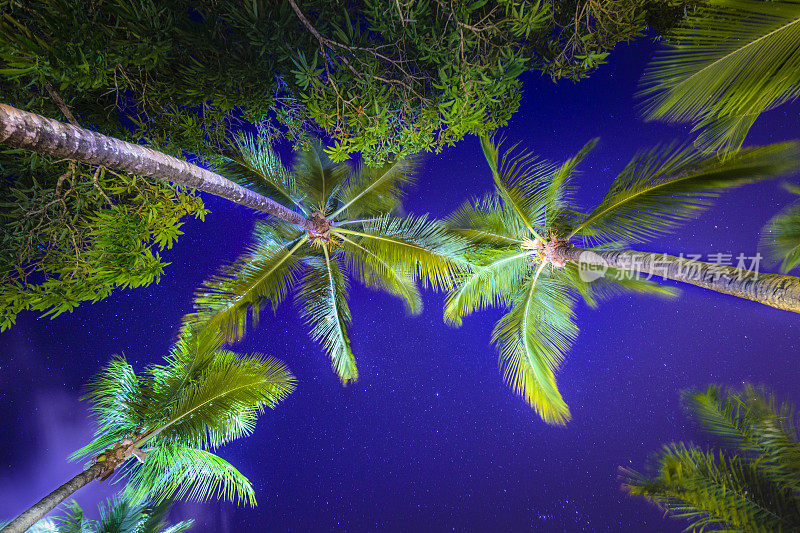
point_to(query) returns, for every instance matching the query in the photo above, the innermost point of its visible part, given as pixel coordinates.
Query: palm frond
(781, 236)
(724, 66)
(413, 244)
(519, 179)
(319, 178)
(662, 188)
(322, 296)
(264, 274)
(181, 472)
(375, 191)
(492, 283)
(74, 520)
(532, 339)
(252, 163)
(487, 221)
(557, 184)
(376, 273)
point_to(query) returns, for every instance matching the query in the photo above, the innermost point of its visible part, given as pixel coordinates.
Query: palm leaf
(375, 191)
(661, 189)
(781, 236)
(487, 221)
(532, 339)
(323, 300)
(318, 177)
(557, 183)
(725, 65)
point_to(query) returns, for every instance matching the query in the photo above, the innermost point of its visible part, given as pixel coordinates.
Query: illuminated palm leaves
(731, 61)
(201, 398)
(781, 237)
(752, 485)
(382, 251)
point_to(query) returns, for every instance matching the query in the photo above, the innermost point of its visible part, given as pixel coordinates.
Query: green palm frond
(119, 515)
(415, 245)
(487, 221)
(318, 178)
(264, 274)
(781, 236)
(74, 520)
(613, 283)
(492, 283)
(181, 472)
(322, 296)
(519, 179)
(724, 66)
(375, 191)
(374, 272)
(557, 184)
(252, 163)
(532, 339)
(662, 188)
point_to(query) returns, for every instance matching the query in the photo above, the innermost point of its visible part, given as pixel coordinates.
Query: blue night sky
(430, 438)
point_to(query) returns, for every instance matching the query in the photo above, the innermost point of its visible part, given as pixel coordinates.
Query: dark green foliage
(753, 484)
(781, 236)
(383, 77)
(72, 233)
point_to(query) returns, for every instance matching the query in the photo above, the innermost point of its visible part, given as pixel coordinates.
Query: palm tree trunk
(26, 520)
(29, 131)
(774, 290)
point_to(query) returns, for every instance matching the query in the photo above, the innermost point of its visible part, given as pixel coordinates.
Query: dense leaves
(781, 236)
(72, 233)
(751, 484)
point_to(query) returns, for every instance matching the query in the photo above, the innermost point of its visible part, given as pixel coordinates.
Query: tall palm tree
(354, 233)
(535, 250)
(751, 484)
(724, 66)
(117, 515)
(168, 418)
(781, 236)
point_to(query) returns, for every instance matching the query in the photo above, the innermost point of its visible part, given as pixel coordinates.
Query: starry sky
(429, 438)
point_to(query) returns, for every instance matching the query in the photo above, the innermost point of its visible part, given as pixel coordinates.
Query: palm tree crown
(354, 232)
(753, 484)
(521, 231)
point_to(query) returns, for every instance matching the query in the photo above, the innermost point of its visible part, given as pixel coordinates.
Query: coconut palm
(535, 251)
(724, 66)
(781, 236)
(354, 233)
(751, 484)
(117, 515)
(169, 418)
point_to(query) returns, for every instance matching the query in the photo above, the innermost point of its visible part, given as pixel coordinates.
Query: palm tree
(168, 418)
(781, 236)
(527, 258)
(752, 484)
(728, 63)
(117, 515)
(354, 232)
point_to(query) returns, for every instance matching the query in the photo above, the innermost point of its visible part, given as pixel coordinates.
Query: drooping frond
(532, 339)
(491, 283)
(119, 515)
(73, 521)
(318, 178)
(374, 272)
(557, 184)
(415, 245)
(519, 178)
(662, 188)
(724, 66)
(715, 492)
(322, 296)
(611, 284)
(252, 163)
(181, 472)
(264, 274)
(487, 221)
(375, 191)
(781, 236)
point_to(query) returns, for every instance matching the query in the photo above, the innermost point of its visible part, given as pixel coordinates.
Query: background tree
(724, 66)
(117, 515)
(354, 231)
(535, 249)
(752, 483)
(382, 77)
(781, 236)
(169, 418)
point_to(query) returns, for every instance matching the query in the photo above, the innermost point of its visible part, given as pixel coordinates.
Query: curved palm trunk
(29, 131)
(26, 520)
(774, 290)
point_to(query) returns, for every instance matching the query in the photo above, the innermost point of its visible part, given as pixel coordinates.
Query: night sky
(430, 438)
